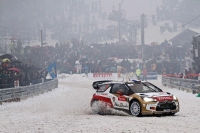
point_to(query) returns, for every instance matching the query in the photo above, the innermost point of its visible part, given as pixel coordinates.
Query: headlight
(174, 97)
(147, 99)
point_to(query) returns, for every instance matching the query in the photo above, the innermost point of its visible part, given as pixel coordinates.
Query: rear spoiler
(97, 84)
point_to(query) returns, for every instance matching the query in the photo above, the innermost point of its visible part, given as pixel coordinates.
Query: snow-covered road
(67, 109)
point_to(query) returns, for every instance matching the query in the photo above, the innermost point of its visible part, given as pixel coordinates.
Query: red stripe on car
(103, 99)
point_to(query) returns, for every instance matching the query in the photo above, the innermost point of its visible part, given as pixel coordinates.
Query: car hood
(159, 96)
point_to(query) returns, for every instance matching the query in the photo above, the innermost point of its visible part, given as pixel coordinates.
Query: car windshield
(141, 88)
(153, 86)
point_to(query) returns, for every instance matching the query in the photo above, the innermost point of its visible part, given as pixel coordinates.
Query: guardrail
(188, 85)
(23, 92)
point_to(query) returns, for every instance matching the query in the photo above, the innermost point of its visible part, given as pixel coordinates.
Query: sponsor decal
(122, 98)
(151, 75)
(121, 105)
(164, 98)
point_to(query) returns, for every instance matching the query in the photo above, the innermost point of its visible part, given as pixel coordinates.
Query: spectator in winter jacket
(144, 73)
(138, 73)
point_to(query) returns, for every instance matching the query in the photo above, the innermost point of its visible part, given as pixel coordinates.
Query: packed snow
(67, 109)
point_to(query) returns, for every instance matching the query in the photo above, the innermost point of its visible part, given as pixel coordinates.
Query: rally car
(135, 97)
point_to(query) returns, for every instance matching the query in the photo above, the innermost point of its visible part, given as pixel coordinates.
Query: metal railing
(23, 92)
(183, 84)
(21, 83)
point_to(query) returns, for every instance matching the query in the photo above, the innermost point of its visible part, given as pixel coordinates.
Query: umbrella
(9, 56)
(14, 69)
(5, 60)
(2, 56)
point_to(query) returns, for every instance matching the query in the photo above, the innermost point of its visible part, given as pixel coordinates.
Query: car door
(119, 96)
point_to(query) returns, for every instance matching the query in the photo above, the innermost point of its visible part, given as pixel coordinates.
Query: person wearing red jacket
(144, 73)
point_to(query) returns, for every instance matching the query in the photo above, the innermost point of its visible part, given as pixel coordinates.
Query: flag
(52, 70)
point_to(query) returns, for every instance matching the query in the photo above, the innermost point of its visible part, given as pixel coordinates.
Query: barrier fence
(116, 76)
(23, 92)
(190, 85)
(21, 83)
(188, 76)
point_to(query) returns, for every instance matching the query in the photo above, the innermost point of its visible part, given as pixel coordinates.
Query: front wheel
(171, 114)
(135, 108)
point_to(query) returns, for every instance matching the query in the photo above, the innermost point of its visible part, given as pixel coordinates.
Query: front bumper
(160, 107)
(158, 112)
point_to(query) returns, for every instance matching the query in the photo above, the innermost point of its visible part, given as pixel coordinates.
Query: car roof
(114, 82)
(123, 82)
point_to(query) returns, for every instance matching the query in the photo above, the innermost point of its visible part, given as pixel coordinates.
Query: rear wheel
(95, 107)
(135, 108)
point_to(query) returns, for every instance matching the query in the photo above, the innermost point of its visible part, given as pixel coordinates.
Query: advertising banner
(151, 76)
(104, 76)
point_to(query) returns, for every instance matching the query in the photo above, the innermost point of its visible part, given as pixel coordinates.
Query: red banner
(103, 75)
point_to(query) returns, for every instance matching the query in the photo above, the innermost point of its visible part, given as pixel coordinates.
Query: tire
(168, 114)
(95, 107)
(135, 108)
(171, 114)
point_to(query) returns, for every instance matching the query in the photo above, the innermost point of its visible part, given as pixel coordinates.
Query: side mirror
(119, 93)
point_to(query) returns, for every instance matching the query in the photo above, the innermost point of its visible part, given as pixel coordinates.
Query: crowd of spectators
(11, 71)
(78, 56)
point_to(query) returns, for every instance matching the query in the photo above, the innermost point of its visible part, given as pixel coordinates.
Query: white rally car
(135, 97)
